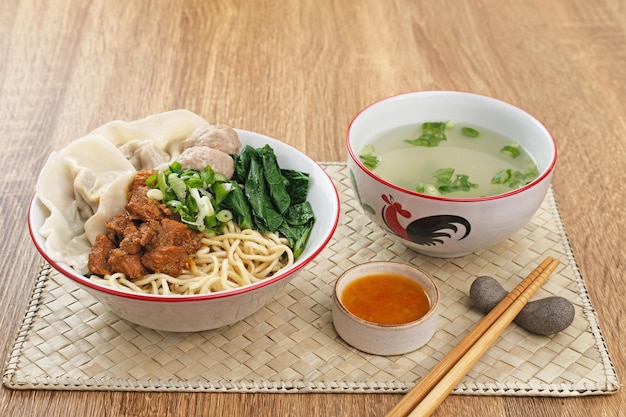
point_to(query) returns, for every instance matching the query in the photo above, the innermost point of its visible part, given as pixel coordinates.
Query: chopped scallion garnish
(502, 177)
(368, 158)
(516, 178)
(429, 189)
(470, 132)
(190, 193)
(511, 150)
(432, 134)
(444, 184)
(178, 186)
(443, 175)
(224, 216)
(155, 194)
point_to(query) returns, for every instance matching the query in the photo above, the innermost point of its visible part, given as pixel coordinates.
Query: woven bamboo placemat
(68, 341)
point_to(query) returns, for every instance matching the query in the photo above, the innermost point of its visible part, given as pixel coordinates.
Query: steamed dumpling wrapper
(85, 184)
(81, 186)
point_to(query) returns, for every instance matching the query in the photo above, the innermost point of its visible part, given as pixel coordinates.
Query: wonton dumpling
(144, 154)
(85, 184)
(167, 130)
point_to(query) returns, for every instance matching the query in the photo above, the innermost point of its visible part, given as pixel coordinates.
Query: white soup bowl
(448, 227)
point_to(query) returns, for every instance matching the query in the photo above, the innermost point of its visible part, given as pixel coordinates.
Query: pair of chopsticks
(433, 388)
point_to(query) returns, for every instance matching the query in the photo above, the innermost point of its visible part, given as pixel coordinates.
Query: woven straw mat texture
(68, 341)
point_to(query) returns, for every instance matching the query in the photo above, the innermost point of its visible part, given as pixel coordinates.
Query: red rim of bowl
(531, 184)
(83, 280)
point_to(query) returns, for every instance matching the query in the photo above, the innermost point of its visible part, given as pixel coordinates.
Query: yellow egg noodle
(234, 259)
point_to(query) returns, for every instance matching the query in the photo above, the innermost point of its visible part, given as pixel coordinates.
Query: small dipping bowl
(385, 339)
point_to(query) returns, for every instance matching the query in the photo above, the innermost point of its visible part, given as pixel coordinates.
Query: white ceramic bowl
(453, 227)
(202, 312)
(385, 339)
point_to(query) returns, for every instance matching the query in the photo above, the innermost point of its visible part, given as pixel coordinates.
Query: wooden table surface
(299, 71)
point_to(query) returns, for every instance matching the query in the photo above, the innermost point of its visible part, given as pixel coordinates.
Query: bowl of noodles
(137, 216)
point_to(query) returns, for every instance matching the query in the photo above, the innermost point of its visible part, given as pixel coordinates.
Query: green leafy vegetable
(432, 134)
(267, 191)
(297, 226)
(237, 203)
(297, 185)
(242, 163)
(275, 180)
(266, 217)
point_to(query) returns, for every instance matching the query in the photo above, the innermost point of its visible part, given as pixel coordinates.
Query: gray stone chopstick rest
(543, 317)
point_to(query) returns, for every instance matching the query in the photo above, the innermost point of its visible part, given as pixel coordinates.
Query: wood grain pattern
(299, 71)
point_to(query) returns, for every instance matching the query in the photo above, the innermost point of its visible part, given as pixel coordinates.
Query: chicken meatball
(199, 157)
(221, 137)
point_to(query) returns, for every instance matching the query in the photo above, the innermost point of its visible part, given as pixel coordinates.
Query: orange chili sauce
(386, 298)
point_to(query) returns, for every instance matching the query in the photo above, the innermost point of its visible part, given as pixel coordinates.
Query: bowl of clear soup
(449, 173)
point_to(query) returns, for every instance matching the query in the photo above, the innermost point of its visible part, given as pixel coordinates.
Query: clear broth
(480, 158)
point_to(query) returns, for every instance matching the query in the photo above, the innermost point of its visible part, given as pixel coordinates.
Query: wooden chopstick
(429, 381)
(436, 396)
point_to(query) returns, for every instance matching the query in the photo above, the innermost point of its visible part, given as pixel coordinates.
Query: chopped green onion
(445, 184)
(469, 132)
(368, 158)
(176, 166)
(531, 171)
(511, 150)
(175, 205)
(370, 161)
(432, 134)
(502, 177)
(429, 189)
(155, 194)
(205, 209)
(161, 183)
(208, 176)
(189, 193)
(516, 179)
(443, 174)
(193, 181)
(178, 186)
(221, 190)
(368, 150)
(224, 215)
(220, 177)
